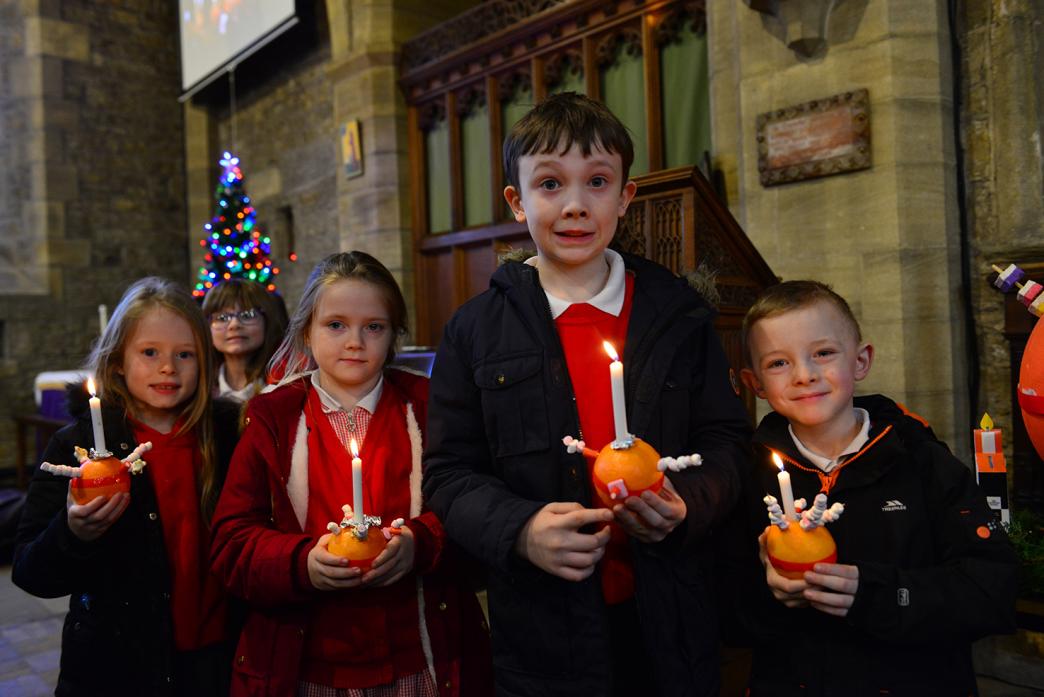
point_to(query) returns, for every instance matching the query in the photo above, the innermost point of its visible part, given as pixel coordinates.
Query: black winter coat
(935, 571)
(501, 401)
(118, 636)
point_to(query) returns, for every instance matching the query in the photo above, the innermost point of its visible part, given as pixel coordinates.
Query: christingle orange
(796, 544)
(361, 541)
(627, 468)
(99, 476)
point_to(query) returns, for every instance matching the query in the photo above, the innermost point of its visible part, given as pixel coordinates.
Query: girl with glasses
(247, 324)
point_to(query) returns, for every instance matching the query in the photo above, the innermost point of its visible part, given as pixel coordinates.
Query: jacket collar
(892, 430)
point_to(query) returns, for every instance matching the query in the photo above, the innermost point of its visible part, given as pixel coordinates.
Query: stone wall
(886, 238)
(1002, 47)
(288, 149)
(289, 142)
(91, 176)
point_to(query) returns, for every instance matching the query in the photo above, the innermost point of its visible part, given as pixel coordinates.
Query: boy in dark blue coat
(579, 607)
(923, 569)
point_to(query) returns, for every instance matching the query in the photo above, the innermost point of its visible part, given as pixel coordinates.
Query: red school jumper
(582, 328)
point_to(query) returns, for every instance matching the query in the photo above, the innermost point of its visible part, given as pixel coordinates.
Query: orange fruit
(360, 553)
(794, 551)
(636, 466)
(100, 478)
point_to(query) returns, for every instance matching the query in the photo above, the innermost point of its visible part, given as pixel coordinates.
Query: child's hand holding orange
(651, 517)
(394, 562)
(329, 572)
(788, 591)
(91, 520)
(552, 540)
(832, 588)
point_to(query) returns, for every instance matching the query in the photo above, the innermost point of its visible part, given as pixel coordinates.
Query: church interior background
(107, 168)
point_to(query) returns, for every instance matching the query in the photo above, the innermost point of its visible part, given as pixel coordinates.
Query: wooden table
(44, 426)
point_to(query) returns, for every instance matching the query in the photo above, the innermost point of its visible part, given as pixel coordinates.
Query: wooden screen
(490, 61)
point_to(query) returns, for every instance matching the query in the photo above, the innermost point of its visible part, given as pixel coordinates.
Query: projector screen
(214, 32)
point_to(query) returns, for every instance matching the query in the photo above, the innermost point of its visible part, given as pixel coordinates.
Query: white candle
(786, 493)
(96, 418)
(357, 487)
(616, 380)
(103, 318)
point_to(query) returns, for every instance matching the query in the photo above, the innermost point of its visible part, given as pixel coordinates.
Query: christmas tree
(236, 248)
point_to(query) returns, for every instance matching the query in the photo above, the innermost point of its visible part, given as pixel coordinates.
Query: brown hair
(247, 295)
(792, 295)
(106, 361)
(562, 121)
(293, 355)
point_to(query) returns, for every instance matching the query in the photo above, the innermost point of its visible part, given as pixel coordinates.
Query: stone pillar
(886, 238)
(374, 208)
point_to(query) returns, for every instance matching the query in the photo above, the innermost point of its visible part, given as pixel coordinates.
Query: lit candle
(786, 493)
(617, 381)
(357, 487)
(96, 418)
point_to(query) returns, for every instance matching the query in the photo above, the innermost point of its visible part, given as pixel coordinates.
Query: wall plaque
(815, 139)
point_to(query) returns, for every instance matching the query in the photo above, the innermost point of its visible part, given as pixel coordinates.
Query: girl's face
(234, 335)
(349, 337)
(160, 366)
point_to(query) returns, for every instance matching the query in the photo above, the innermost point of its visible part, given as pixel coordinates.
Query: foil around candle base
(96, 455)
(360, 529)
(625, 444)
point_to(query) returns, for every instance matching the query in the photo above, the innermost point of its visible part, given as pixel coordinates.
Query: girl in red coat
(317, 626)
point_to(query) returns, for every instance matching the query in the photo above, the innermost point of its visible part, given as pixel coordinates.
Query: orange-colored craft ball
(360, 553)
(100, 478)
(794, 551)
(636, 466)
(1031, 377)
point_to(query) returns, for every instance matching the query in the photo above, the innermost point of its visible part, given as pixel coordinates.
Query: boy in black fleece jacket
(575, 607)
(922, 568)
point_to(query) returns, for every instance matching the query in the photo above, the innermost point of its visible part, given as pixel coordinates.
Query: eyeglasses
(247, 317)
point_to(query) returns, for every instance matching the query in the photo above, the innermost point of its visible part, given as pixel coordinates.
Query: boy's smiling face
(571, 204)
(805, 364)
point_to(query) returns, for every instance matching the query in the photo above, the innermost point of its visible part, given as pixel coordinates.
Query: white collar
(330, 403)
(827, 464)
(227, 391)
(609, 300)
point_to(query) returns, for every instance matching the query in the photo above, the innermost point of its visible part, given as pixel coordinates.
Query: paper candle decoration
(991, 470)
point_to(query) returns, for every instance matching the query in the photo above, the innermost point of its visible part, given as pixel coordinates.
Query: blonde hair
(106, 360)
(793, 295)
(248, 295)
(294, 356)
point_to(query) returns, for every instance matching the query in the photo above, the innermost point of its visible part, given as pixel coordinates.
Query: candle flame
(90, 387)
(778, 460)
(610, 350)
(986, 423)
(354, 447)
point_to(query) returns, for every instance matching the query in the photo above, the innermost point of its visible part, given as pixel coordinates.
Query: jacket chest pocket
(513, 403)
(672, 426)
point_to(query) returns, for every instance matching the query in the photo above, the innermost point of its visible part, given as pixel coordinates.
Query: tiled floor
(30, 640)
